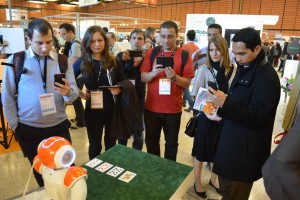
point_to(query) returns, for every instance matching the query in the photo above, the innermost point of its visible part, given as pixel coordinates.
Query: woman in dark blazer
(99, 68)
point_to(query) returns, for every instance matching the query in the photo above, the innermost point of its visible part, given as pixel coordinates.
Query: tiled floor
(14, 168)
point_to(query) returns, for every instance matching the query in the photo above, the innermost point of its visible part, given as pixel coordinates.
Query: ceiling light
(67, 4)
(51, 0)
(74, 2)
(37, 1)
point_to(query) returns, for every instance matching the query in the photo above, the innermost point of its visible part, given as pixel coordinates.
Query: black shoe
(218, 190)
(200, 194)
(188, 109)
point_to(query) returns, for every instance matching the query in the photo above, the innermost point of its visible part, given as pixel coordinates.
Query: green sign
(24, 24)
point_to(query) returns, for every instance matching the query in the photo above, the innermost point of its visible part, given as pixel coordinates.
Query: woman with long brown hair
(100, 71)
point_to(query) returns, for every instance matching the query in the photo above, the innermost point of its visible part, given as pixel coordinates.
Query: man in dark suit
(248, 114)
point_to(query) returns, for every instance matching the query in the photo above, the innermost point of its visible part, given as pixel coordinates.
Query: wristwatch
(174, 78)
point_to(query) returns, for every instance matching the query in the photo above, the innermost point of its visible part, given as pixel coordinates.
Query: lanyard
(162, 52)
(214, 75)
(44, 76)
(107, 73)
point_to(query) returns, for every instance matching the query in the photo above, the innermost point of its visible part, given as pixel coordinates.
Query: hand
(64, 90)
(157, 68)
(126, 55)
(214, 116)
(137, 61)
(216, 97)
(115, 90)
(170, 73)
(85, 95)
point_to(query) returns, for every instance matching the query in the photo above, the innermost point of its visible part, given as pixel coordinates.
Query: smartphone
(165, 61)
(135, 53)
(213, 85)
(58, 78)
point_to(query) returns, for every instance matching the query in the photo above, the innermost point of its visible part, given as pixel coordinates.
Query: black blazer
(249, 114)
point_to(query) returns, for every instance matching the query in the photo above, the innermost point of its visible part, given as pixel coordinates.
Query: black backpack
(19, 69)
(184, 56)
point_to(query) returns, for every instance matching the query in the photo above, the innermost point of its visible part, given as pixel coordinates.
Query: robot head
(56, 152)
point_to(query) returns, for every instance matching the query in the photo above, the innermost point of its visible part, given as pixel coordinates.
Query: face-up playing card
(104, 167)
(93, 163)
(115, 171)
(127, 176)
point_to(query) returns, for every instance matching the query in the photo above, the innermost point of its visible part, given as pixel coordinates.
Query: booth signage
(17, 15)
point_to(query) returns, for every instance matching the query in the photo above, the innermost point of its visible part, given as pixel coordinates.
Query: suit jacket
(127, 117)
(281, 172)
(249, 114)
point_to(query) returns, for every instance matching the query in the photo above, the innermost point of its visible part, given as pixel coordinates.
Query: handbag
(191, 126)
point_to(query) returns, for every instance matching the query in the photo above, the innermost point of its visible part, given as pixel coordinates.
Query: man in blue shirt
(36, 110)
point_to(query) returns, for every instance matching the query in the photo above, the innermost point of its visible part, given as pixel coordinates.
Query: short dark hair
(149, 30)
(169, 24)
(217, 26)
(41, 25)
(191, 34)
(137, 30)
(105, 29)
(68, 27)
(113, 36)
(249, 36)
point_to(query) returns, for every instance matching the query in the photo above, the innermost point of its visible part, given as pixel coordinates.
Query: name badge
(97, 99)
(47, 104)
(164, 86)
(132, 81)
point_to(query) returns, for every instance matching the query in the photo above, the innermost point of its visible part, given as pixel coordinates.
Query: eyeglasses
(167, 36)
(63, 34)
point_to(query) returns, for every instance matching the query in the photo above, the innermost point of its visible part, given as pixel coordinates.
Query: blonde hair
(221, 45)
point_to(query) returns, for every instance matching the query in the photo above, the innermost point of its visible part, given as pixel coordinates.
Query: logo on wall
(210, 21)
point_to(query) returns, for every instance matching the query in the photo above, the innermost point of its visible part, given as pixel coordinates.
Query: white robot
(62, 182)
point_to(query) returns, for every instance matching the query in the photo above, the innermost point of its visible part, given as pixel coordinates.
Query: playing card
(115, 171)
(93, 163)
(127, 176)
(104, 167)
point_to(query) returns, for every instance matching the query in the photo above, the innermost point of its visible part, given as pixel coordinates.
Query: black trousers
(94, 125)
(170, 123)
(30, 137)
(234, 190)
(78, 106)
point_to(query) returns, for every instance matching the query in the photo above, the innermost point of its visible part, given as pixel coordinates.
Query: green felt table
(157, 178)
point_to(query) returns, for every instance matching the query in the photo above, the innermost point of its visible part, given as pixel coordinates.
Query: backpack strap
(154, 53)
(184, 58)
(18, 65)
(63, 63)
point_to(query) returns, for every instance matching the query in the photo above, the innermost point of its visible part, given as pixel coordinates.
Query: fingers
(63, 89)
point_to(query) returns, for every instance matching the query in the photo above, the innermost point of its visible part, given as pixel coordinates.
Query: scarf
(220, 77)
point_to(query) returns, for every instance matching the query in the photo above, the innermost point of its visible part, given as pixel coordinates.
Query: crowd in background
(139, 92)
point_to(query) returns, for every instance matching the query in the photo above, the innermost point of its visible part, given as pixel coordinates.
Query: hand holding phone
(135, 53)
(58, 78)
(213, 85)
(165, 61)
